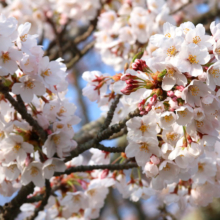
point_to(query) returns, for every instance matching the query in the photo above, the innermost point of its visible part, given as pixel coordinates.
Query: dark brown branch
(110, 149)
(83, 107)
(57, 36)
(12, 209)
(82, 52)
(21, 109)
(102, 135)
(111, 112)
(88, 131)
(43, 201)
(98, 167)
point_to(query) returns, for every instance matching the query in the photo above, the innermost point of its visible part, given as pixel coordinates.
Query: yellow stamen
(168, 118)
(91, 192)
(144, 147)
(194, 90)
(199, 124)
(167, 167)
(17, 147)
(144, 128)
(171, 136)
(56, 139)
(141, 26)
(183, 113)
(5, 57)
(29, 84)
(171, 51)
(168, 35)
(215, 73)
(34, 171)
(196, 40)
(23, 37)
(192, 59)
(46, 73)
(62, 110)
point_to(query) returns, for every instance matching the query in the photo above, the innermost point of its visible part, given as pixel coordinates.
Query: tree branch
(43, 202)
(12, 209)
(21, 109)
(102, 135)
(97, 167)
(111, 112)
(76, 58)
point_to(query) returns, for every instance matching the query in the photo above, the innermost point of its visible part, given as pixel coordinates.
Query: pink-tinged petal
(29, 148)
(168, 83)
(27, 95)
(196, 70)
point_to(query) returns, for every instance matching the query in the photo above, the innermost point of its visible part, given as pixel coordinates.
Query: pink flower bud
(104, 173)
(170, 93)
(174, 98)
(153, 99)
(180, 88)
(148, 108)
(154, 159)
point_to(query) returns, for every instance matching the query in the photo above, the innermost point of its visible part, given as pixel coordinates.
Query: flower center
(51, 167)
(60, 126)
(46, 73)
(199, 114)
(196, 40)
(171, 51)
(199, 124)
(171, 136)
(29, 84)
(5, 57)
(34, 171)
(12, 167)
(23, 37)
(194, 90)
(56, 139)
(62, 110)
(91, 192)
(201, 167)
(144, 128)
(141, 26)
(144, 147)
(186, 30)
(170, 72)
(167, 167)
(17, 147)
(168, 118)
(192, 59)
(168, 35)
(76, 198)
(183, 113)
(215, 73)
(217, 50)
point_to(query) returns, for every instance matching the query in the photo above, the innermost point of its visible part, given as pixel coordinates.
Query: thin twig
(111, 112)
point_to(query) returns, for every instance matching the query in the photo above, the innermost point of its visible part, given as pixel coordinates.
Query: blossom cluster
(123, 27)
(60, 11)
(175, 141)
(38, 85)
